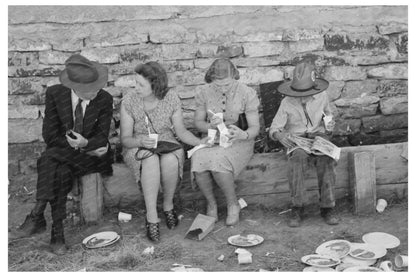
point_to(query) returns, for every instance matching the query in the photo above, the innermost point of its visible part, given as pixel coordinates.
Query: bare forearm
(202, 126)
(253, 131)
(131, 142)
(189, 138)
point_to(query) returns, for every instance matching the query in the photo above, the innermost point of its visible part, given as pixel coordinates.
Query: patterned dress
(160, 117)
(231, 101)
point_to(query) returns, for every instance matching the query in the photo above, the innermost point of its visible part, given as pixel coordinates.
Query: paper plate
(366, 251)
(351, 260)
(317, 269)
(100, 239)
(362, 269)
(383, 239)
(317, 260)
(334, 248)
(245, 241)
(342, 266)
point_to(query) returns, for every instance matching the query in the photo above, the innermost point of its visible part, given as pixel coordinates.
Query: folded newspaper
(316, 146)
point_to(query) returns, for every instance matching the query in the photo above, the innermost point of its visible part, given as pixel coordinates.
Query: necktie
(79, 117)
(308, 119)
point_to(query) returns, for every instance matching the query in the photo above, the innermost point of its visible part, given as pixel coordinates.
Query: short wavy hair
(215, 70)
(157, 77)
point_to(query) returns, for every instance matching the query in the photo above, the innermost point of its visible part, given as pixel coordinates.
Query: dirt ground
(284, 246)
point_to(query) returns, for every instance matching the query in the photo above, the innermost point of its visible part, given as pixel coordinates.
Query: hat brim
(83, 88)
(286, 89)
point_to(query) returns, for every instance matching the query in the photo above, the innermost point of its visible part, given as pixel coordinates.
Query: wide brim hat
(83, 75)
(304, 82)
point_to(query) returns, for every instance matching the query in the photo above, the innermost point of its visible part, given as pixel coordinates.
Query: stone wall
(361, 50)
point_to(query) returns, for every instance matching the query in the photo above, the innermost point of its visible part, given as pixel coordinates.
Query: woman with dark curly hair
(221, 165)
(153, 109)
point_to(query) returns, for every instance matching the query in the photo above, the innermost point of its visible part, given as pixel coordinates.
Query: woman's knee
(151, 161)
(168, 160)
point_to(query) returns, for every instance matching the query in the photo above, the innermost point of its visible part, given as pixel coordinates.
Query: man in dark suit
(75, 128)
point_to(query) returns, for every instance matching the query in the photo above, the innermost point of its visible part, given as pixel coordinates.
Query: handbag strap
(150, 121)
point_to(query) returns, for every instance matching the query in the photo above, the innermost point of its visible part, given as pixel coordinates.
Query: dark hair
(157, 77)
(213, 70)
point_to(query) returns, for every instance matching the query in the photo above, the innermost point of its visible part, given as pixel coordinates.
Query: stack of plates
(100, 239)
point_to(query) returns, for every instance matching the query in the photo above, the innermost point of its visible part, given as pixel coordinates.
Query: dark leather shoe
(153, 232)
(33, 224)
(295, 217)
(329, 216)
(58, 240)
(171, 219)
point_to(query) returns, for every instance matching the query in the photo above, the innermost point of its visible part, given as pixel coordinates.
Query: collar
(75, 98)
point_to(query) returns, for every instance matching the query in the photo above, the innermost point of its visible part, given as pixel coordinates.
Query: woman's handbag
(242, 122)
(163, 147)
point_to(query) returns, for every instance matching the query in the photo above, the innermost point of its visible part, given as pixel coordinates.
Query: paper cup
(386, 266)
(327, 119)
(244, 258)
(381, 205)
(242, 203)
(124, 217)
(154, 136)
(400, 260)
(211, 134)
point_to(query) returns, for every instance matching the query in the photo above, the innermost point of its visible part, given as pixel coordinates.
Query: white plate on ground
(366, 251)
(362, 269)
(317, 269)
(382, 239)
(351, 260)
(335, 248)
(320, 260)
(100, 239)
(245, 241)
(342, 266)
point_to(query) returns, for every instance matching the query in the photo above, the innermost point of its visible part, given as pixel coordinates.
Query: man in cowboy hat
(301, 113)
(75, 128)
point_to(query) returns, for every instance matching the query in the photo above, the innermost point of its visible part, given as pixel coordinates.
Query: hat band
(303, 90)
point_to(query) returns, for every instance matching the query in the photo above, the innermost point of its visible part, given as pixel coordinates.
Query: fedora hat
(304, 82)
(83, 75)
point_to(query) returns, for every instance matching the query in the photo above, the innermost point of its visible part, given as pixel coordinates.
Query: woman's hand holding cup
(148, 142)
(235, 133)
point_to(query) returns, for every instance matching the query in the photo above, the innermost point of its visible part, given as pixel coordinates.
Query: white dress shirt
(74, 99)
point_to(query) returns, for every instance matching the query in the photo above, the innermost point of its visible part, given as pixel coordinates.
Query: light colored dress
(237, 98)
(160, 117)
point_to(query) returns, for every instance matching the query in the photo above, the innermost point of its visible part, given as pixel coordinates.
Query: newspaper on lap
(316, 146)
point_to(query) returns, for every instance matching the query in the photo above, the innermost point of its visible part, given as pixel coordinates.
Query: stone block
(384, 122)
(388, 88)
(309, 45)
(23, 111)
(23, 58)
(389, 71)
(186, 92)
(101, 55)
(260, 62)
(28, 166)
(140, 53)
(262, 49)
(255, 76)
(394, 105)
(351, 41)
(344, 73)
(25, 130)
(391, 27)
(53, 57)
(127, 81)
(334, 90)
(357, 111)
(401, 43)
(178, 65)
(206, 63)
(346, 127)
(296, 34)
(206, 51)
(121, 189)
(28, 85)
(23, 151)
(13, 167)
(356, 89)
(229, 51)
(28, 99)
(119, 91)
(178, 51)
(186, 78)
(31, 71)
(170, 32)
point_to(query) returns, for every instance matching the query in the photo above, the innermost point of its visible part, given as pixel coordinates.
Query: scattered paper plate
(245, 241)
(334, 248)
(362, 269)
(317, 269)
(100, 239)
(358, 262)
(320, 260)
(383, 239)
(366, 251)
(342, 266)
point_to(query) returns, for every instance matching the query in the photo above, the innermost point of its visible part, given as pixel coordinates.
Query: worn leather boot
(35, 222)
(329, 216)
(295, 217)
(57, 239)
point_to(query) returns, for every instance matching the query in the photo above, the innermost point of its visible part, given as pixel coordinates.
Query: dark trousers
(325, 169)
(57, 168)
